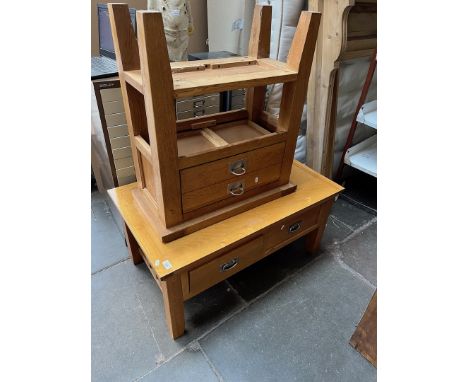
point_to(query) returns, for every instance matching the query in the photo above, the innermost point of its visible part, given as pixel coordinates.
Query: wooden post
(160, 111)
(314, 238)
(126, 53)
(132, 246)
(174, 305)
(300, 58)
(259, 47)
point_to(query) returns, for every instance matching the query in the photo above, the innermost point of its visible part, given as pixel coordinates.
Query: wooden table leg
(132, 245)
(314, 238)
(174, 305)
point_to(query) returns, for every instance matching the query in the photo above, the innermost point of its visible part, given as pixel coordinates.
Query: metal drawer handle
(236, 189)
(229, 265)
(294, 227)
(238, 168)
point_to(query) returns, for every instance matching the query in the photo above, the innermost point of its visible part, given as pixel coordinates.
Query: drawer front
(120, 142)
(123, 163)
(225, 265)
(115, 119)
(229, 188)
(198, 112)
(113, 107)
(122, 152)
(197, 103)
(291, 228)
(197, 177)
(112, 94)
(118, 131)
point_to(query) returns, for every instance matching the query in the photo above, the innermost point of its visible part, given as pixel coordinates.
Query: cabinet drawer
(231, 188)
(291, 228)
(198, 177)
(225, 265)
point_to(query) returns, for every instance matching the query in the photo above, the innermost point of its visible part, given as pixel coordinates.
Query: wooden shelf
(199, 141)
(198, 81)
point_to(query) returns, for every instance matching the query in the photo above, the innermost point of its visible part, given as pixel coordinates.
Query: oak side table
(189, 265)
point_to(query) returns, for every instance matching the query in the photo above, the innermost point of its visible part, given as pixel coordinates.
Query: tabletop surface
(198, 247)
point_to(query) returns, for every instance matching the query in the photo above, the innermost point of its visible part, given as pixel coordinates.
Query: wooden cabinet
(198, 171)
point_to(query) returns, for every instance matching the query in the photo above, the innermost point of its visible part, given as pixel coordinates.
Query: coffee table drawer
(291, 228)
(225, 265)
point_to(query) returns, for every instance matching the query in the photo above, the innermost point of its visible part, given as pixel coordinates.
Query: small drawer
(120, 142)
(113, 107)
(231, 168)
(124, 172)
(112, 94)
(291, 228)
(123, 162)
(230, 189)
(122, 152)
(126, 179)
(225, 265)
(118, 131)
(115, 119)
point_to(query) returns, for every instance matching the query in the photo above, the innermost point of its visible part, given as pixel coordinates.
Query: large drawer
(291, 228)
(225, 265)
(231, 188)
(197, 177)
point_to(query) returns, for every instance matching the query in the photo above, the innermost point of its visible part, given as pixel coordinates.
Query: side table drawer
(291, 228)
(226, 265)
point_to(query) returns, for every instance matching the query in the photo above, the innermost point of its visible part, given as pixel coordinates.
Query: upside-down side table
(189, 265)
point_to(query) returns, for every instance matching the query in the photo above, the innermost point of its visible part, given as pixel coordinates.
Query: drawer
(198, 112)
(115, 119)
(120, 142)
(291, 228)
(126, 179)
(197, 103)
(118, 131)
(225, 265)
(123, 162)
(229, 189)
(197, 177)
(124, 172)
(122, 152)
(111, 94)
(113, 107)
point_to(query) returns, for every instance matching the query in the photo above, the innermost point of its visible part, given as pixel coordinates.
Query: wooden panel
(233, 149)
(194, 83)
(225, 265)
(364, 339)
(204, 196)
(214, 172)
(193, 143)
(291, 228)
(238, 132)
(148, 177)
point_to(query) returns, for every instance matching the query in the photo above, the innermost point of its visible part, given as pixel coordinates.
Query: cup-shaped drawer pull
(236, 188)
(229, 265)
(238, 168)
(294, 227)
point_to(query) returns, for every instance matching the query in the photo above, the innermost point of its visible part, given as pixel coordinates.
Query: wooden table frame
(187, 266)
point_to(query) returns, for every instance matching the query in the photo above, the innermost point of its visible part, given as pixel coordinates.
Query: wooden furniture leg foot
(174, 305)
(314, 238)
(132, 245)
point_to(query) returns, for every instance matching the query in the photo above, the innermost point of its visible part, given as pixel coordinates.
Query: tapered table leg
(132, 245)
(174, 305)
